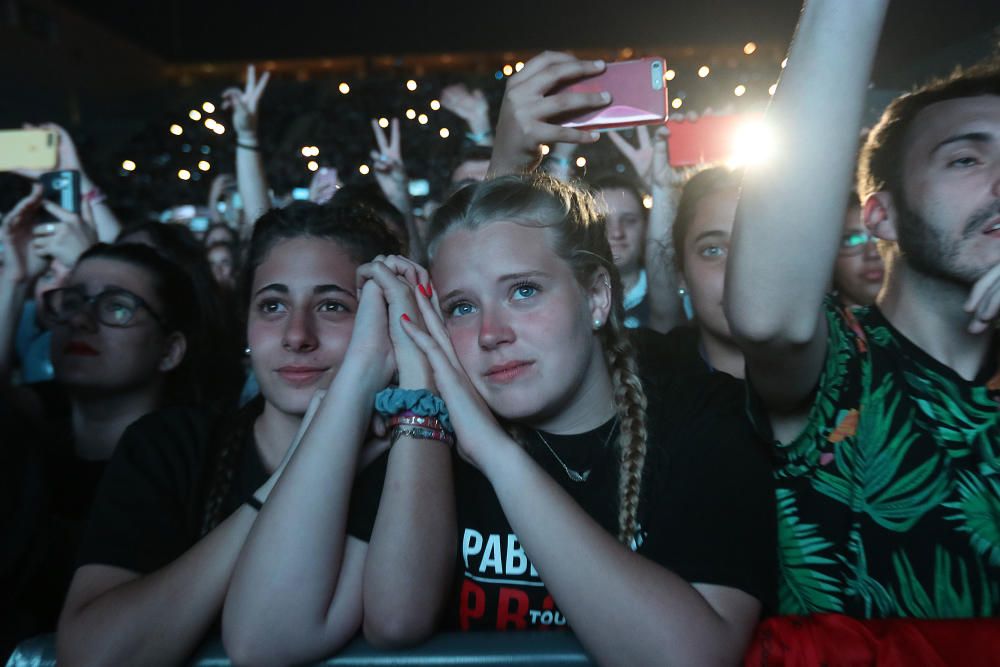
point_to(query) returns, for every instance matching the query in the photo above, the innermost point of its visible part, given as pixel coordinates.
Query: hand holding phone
(638, 90)
(530, 105)
(32, 149)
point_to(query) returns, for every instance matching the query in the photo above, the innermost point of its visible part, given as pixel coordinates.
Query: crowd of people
(541, 403)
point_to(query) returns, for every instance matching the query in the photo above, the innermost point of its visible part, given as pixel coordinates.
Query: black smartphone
(62, 188)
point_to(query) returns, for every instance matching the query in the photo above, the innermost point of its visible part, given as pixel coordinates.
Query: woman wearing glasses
(858, 273)
(123, 338)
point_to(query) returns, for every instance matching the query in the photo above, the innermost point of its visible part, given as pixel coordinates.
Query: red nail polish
(422, 289)
(405, 317)
(430, 290)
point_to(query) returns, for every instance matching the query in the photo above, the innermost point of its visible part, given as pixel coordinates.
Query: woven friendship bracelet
(421, 433)
(419, 402)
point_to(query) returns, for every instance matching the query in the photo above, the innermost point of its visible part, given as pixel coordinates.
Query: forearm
(105, 221)
(251, 179)
(657, 617)
(790, 214)
(159, 618)
(286, 582)
(411, 554)
(666, 311)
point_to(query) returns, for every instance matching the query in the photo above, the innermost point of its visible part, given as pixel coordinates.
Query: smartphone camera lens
(657, 75)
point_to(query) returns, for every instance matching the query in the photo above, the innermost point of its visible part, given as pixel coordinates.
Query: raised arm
(651, 161)
(295, 595)
(20, 268)
(527, 108)
(250, 177)
(791, 210)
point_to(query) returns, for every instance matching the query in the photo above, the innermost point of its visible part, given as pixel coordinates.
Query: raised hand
(21, 264)
(650, 159)
(323, 185)
(65, 239)
(67, 157)
(244, 104)
(528, 107)
(390, 173)
(470, 106)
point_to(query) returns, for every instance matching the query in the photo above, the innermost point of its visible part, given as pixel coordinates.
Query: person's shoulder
(169, 434)
(669, 353)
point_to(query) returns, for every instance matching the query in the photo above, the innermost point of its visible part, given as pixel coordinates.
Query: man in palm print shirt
(885, 418)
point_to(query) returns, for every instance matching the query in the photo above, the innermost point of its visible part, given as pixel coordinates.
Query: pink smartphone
(638, 96)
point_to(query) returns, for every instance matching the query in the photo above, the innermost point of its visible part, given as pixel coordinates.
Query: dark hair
(580, 238)
(369, 195)
(222, 368)
(880, 167)
(706, 182)
(618, 182)
(234, 237)
(359, 231)
(176, 293)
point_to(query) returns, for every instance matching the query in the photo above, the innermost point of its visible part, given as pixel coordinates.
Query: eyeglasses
(855, 242)
(114, 307)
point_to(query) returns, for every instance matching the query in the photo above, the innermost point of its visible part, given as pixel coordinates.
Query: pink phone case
(638, 96)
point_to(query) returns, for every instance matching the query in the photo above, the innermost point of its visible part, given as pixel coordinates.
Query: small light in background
(411, 85)
(435, 105)
(208, 107)
(219, 128)
(444, 132)
(411, 114)
(344, 88)
(184, 175)
(204, 165)
(677, 103)
(774, 87)
(194, 114)
(749, 48)
(306, 151)
(312, 165)
(647, 201)
(545, 149)
(364, 169)
(581, 161)
(783, 63)
(669, 75)
(383, 122)
(704, 71)
(176, 130)
(128, 165)
(739, 90)
(507, 70)
(518, 66)
(210, 123)
(422, 119)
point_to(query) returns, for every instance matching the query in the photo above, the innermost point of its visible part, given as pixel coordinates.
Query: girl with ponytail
(636, 511)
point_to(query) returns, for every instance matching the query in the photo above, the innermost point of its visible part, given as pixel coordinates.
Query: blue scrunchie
(421, 402)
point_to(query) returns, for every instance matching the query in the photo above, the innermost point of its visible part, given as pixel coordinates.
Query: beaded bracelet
(421, 433)
(420, 402)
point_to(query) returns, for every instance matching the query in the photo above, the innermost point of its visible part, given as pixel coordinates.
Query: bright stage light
(753, 143)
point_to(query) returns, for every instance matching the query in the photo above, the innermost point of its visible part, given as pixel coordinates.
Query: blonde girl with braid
(634, 511)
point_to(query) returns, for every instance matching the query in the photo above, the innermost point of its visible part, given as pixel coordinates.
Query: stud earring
(597, 324)
(681, 292)
(246, 351)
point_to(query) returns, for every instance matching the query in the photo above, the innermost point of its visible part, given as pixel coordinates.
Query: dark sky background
(220, 30)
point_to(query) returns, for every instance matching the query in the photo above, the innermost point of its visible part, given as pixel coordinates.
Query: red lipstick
(80, 349)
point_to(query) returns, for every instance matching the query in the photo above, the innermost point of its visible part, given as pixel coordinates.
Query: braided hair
(580, 238)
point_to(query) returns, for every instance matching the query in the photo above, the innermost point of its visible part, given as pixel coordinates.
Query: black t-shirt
(706, 510)
(678, 351)
(50, 491)
(151, 504)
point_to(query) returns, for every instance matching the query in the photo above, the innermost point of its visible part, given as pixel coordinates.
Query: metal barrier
(452, 649)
